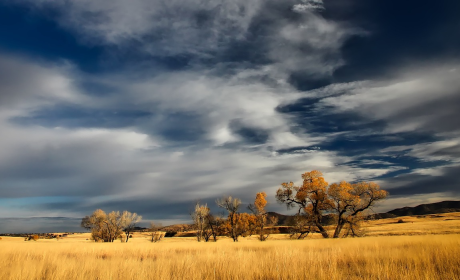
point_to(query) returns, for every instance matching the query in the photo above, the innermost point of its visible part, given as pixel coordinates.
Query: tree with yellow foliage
(311, 198)
(351, 200)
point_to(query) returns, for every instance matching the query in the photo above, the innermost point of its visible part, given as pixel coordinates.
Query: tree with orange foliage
(243, 224)
(315, 198)
(258, 209)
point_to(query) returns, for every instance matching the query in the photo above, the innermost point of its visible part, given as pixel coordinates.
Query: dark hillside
(424, 209)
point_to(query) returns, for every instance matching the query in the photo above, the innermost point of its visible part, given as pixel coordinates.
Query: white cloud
(216, 104)
(307, 5)
(27, 86)
(175, 26)
(442, 150)
(311, 46)
(422, 99)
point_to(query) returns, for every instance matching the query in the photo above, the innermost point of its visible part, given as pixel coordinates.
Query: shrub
(170, 233)
(156, 237)
(32, 237)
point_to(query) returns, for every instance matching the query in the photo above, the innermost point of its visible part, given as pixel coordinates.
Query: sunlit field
(378, 256)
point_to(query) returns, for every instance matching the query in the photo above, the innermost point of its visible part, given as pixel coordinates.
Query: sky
(152, 105)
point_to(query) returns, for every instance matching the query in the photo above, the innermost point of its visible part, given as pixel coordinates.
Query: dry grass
(380, 256)
(446, 223)
(416, 257)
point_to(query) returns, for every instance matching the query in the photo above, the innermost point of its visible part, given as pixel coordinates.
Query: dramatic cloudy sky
(151, 105)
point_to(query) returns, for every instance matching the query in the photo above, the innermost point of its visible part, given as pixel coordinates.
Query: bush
(32, 237)
(400, 221)
(157, 236)
(170, 233)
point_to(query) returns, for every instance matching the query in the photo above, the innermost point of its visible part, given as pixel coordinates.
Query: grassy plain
(420, 248)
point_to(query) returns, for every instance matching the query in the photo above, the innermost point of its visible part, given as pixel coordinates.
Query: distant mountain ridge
(422, 209)
(425, 209)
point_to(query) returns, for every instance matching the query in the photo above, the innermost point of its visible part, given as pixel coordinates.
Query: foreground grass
(387, 257)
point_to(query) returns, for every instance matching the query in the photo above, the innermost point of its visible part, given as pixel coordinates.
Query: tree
(261, 221)
(315, 198)
(130, 221)
(311, 198)
(115, 224)
(214, 227)
(200, 220)
(108, 227)
(300, 227)
(350, 202)
(231, 205)
(96, 224)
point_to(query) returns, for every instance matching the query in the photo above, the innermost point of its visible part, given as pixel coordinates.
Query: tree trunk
(338, 229)
(322, 230)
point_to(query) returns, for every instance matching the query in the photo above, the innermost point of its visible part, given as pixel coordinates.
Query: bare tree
(130, 221)
(231, 205)
(214, 224)
(200, 220)
(115, 225)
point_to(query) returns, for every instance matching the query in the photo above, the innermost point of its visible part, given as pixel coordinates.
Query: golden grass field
(421, 248)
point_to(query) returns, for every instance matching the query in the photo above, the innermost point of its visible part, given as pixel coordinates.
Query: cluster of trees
(237, 224)
(108, 227)
(315, 200)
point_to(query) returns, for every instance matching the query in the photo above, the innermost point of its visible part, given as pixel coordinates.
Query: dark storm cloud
(40, 225)
(399, 32)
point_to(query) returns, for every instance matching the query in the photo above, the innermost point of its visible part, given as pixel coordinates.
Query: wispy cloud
(307, 5)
